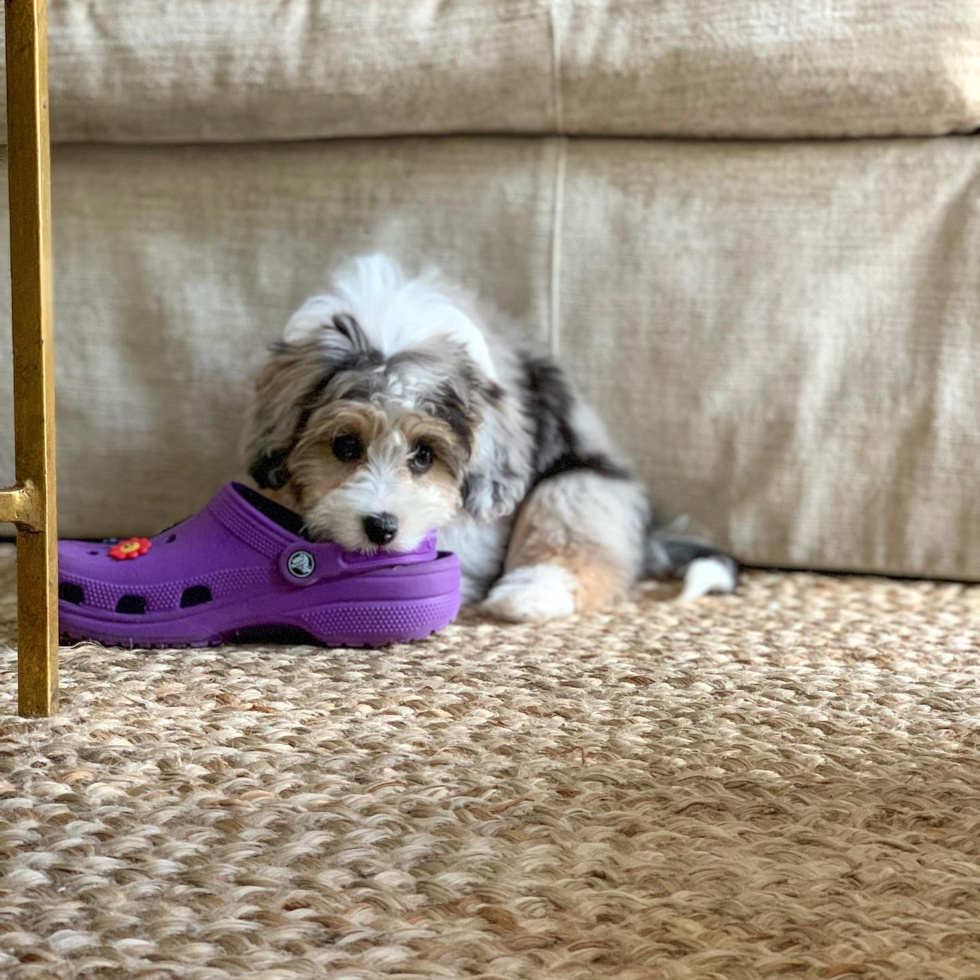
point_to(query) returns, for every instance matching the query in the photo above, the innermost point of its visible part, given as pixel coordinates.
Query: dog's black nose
(380, 528)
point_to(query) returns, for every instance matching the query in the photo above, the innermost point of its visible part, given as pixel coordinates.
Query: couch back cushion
(227, 70)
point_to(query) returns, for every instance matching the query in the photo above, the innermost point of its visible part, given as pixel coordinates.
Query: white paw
(533, 594)
(706, 575)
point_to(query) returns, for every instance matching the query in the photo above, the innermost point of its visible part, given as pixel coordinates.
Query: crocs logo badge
(130, 548)
(301, 564)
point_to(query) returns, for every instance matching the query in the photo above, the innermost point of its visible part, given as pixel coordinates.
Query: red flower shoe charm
(130, 548)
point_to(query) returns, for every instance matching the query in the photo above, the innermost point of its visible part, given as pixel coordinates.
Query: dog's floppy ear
(287, 388)
(499, 474)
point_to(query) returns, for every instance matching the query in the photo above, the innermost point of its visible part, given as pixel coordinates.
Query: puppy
(397, 404)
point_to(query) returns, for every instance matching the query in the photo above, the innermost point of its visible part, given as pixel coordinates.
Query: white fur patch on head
(706, 575)
(395, 311)
(533, 594)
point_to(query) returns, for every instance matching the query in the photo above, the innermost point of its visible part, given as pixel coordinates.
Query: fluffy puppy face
(376, 475)
(374, 449)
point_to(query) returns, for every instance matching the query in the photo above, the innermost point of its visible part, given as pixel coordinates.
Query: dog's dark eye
(347, 449)
(422, 458)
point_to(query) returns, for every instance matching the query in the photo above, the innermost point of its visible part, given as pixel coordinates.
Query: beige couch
(785, 333)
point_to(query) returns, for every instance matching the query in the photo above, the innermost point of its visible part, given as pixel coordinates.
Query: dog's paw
(717, 573)
(532, 594)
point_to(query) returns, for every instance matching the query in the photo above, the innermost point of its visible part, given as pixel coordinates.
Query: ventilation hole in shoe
(196, 595)
(71, 593)
(93, 552)
(133, 604)
(172, 539)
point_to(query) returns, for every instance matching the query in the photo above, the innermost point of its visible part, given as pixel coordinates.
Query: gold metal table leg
(31, 503)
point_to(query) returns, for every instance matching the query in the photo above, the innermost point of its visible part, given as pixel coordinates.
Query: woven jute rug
(781, 783)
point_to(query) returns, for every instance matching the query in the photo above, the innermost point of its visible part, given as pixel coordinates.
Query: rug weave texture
(783, 783)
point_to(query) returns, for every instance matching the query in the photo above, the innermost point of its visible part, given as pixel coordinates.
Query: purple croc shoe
(241, 567)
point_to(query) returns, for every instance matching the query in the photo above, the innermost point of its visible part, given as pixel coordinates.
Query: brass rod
(29, 187)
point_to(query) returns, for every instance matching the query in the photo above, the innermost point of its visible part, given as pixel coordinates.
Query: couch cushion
(784, 336)
(193, 70)
(175, 267)
(771, 68)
